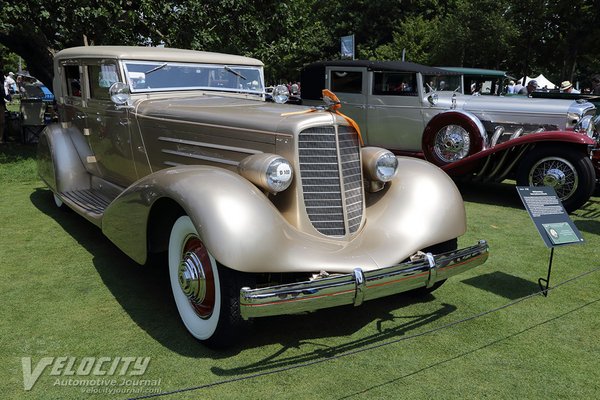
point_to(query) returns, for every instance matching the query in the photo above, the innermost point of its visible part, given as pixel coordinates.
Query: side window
(101, 79)
(73, 80)
(394, 84)
(346, 81)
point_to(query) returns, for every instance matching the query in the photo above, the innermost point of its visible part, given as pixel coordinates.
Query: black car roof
(404, 66)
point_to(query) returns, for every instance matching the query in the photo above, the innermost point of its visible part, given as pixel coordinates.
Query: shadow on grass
(293, 332)
(505, 195)
(499, 194)
(14, 152)
(145, 294)
(590, 216)
(502, 284)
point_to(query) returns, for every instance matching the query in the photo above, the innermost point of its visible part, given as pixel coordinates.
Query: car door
(109, 125)
(350, 85)
(394, 114)
(73, 104)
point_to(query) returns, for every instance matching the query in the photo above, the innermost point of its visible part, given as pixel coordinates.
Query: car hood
(231, 112)
(517, 108)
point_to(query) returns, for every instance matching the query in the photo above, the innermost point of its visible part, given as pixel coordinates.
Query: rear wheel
(206, 293)
(568, 170)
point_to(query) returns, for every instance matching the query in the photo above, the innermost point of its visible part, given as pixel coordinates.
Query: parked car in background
(422, 111)
(261, 208)
(481, 81)
(556, 94)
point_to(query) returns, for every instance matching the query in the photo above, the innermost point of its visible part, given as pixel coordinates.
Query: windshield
(441, 83)
(148, 76)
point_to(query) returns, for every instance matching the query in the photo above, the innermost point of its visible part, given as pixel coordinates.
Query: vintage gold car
(262, 208)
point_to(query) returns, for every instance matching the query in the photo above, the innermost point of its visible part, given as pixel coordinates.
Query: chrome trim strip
(199, 157)
(209, 145)
(172, 164)
(359, 286)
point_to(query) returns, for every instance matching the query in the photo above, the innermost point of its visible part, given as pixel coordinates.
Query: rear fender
(59, 163)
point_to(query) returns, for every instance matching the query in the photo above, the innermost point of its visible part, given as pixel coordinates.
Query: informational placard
(549, 216)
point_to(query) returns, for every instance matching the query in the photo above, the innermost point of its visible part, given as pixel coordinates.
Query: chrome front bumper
(359, 286)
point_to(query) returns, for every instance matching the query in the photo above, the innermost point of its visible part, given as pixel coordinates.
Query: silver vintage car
(421, 111)
(262, 209)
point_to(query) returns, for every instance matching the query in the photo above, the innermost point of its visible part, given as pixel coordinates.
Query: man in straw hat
(567, 87)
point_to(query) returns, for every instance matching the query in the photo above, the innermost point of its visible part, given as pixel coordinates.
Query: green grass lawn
(67, 291)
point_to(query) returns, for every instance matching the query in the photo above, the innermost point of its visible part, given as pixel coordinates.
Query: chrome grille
(323, 156)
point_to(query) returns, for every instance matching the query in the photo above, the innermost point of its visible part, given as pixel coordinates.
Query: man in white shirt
(9, 85)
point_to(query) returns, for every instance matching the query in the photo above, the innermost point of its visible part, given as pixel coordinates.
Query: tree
(415, 37)
(475, 34)
(36, 30)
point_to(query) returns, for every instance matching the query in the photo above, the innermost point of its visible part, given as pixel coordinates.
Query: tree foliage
(555, 37)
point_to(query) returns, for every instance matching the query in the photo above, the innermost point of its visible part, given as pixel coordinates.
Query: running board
(90, 203)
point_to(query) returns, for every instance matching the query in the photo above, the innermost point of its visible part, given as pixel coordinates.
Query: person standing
(567, 87)
(9, 85)
(519, 86)
(510, 89)
(532, 85)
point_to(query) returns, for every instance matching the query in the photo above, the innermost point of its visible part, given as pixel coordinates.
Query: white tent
(542, 82)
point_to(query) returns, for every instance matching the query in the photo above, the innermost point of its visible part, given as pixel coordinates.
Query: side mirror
(120, 94)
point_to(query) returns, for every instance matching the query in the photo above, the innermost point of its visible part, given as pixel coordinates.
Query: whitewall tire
(206, 293)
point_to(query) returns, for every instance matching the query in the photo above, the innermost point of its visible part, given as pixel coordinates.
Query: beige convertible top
(154, 54)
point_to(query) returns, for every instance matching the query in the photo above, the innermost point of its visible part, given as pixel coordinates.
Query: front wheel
(206, 293)
(567, 170)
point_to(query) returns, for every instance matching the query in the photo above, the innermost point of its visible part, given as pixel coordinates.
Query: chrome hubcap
(452, 143)
(192, 278)
(196, 277)
(557, 173)
(554, 178)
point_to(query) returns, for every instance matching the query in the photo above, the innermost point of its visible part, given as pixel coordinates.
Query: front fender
(243, 230)
(568, 138)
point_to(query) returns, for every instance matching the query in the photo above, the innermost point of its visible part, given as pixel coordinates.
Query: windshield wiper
(228, 69)
(161, 66)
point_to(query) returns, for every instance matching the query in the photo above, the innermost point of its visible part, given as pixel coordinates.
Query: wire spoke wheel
(566, 169)
(452, 143)
(557, 173)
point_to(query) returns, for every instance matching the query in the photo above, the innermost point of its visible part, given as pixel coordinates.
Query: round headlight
(270, 172)
(279, 174)
(585, 125)
(379, 164)
(386, 167)
(281, 94)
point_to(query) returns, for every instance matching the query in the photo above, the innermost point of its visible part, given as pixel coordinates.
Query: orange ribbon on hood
(333, 105)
